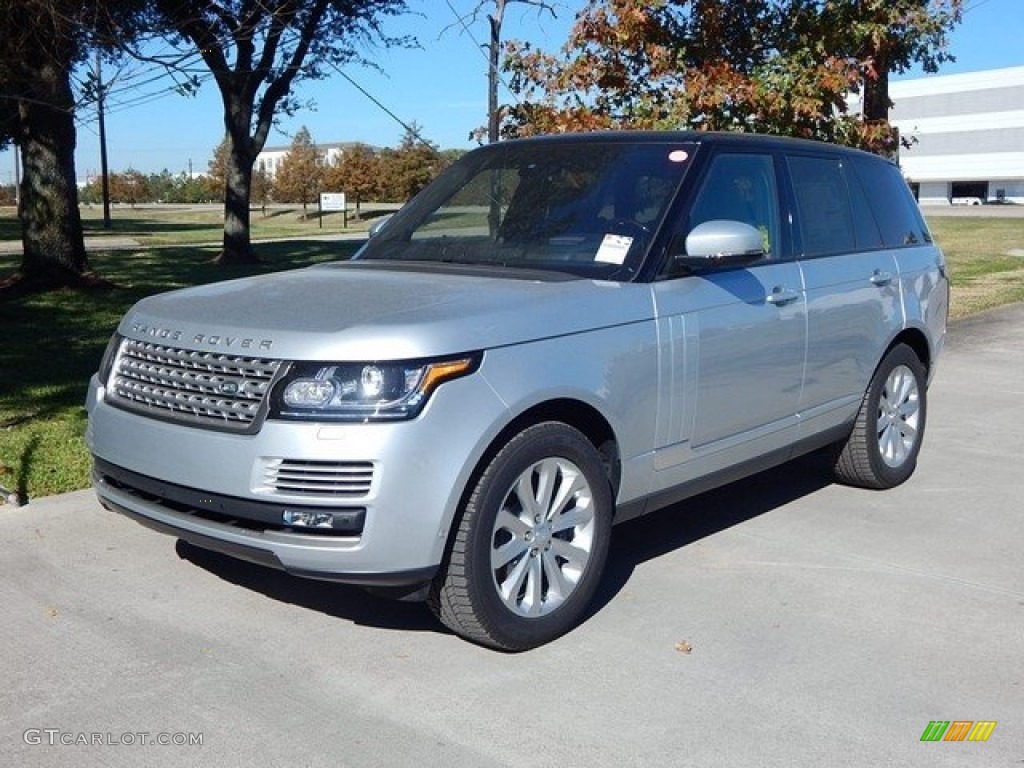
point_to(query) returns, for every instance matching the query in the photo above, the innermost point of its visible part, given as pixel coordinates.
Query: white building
(969, 131)
(269, 160)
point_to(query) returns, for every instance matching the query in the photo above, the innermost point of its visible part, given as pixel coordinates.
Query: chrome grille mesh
(201, 388)
(319, 478)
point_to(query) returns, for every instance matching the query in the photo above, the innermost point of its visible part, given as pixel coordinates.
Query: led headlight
(371, 391)
(309, 393)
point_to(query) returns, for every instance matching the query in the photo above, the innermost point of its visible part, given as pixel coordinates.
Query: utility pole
(105, 183)
(493, 52)
(495, 20)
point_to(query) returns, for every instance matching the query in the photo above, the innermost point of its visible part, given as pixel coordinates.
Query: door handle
(880, 278)
(781, 296)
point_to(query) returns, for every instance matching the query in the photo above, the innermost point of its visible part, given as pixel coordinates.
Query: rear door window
(823, 202)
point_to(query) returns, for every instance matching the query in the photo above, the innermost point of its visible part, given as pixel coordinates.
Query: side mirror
(720, 243)
(378, 225)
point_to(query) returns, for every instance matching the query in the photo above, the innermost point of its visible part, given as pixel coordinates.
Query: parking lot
(784, 621)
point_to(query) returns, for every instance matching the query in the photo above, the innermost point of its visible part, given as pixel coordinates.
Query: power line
(972, 7)
(480, 48)
(412, 131)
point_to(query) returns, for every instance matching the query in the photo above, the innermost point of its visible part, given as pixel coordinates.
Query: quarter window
(892, 203)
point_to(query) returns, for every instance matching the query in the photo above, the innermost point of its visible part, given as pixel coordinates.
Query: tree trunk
(51, 227)
(877, 103)
(237, 247)
(876, 94)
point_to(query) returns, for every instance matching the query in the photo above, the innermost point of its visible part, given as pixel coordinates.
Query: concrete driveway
(785, 621)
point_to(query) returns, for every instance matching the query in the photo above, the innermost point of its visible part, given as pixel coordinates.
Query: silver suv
(557, 335)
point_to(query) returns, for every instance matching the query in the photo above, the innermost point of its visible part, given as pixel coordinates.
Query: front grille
(347, 479)
(201, 388)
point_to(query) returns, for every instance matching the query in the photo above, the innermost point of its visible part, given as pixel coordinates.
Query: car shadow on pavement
(633, 543)
(341, 601)
(651, 536)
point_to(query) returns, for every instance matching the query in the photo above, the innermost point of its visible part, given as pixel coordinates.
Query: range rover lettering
(556, 335)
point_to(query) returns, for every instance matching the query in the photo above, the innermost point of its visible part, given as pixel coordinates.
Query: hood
(349, 311)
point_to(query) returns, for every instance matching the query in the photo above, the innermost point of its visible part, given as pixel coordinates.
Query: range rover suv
(558, 334)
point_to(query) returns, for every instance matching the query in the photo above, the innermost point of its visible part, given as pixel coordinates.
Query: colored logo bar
(958, 730)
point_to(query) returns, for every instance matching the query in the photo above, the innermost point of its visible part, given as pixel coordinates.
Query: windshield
(588, 208)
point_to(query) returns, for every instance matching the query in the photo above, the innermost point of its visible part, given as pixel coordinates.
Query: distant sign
(332, 201)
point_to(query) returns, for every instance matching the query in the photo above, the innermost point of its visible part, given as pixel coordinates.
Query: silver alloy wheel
(899, 414)
(543, 537)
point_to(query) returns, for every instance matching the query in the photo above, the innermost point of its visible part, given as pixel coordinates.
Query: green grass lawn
(53, 342)
(191, 224)
(982, 270)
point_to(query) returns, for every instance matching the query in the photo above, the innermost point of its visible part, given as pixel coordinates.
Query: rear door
(852, 284)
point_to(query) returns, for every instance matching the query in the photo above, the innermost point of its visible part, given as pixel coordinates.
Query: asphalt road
(826, 627)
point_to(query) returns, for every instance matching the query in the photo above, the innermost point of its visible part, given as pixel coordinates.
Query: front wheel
(881, 451)
(531, 543)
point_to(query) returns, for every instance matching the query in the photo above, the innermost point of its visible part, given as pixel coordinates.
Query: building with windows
(967, 134)
(269, 160)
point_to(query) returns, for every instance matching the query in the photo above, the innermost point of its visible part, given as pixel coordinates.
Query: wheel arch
(916, 339)
(574, 413)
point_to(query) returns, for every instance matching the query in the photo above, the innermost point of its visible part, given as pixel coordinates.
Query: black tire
(553, 566)
(881, 451)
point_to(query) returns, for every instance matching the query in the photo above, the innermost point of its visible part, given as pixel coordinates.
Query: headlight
(372, 391)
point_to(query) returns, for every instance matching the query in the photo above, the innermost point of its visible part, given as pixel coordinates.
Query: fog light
(308, 519)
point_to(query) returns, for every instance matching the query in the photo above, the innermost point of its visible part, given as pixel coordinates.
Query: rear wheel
(881, 451)
(531, 542)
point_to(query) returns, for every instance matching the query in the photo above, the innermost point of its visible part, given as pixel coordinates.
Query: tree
(130, 187)
(256, 52)
(409, 168)
(775, 66)
(41, 41)
(297, 179)
(635, 64)
(356, 173)
(134, 187)
(217, 168)
(161, 186)
(891, 36)
(261, 188)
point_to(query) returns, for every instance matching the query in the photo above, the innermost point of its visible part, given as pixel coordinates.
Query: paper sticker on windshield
(678, 155)
(613, 249)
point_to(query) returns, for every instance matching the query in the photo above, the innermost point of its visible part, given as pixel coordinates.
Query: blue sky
(441, 86)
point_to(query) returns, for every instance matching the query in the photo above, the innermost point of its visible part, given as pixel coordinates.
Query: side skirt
(674, 495)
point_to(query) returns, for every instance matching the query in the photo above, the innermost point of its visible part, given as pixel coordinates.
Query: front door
(732, 340)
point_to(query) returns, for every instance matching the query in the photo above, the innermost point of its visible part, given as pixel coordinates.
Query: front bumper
(211, 489)
(284, 551)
